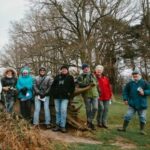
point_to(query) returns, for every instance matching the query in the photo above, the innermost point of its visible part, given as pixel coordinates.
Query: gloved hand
(24, 91)
(42, 95)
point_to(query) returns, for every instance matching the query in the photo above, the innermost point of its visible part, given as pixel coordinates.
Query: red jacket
(104, 88)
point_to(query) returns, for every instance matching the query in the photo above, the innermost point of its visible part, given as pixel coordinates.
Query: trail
(66, 137)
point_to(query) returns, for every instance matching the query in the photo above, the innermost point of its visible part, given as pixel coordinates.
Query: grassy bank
(111, 138)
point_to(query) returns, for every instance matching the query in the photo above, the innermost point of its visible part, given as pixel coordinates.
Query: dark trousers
(25, 109)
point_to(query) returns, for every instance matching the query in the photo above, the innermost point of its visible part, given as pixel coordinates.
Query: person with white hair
(104, 98)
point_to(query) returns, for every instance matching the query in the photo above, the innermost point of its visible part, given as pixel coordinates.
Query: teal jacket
(25, 81)
(131, 94)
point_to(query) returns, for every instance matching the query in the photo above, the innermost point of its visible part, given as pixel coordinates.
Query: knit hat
(99, 67)
(64, 66)
(84, 66)
(136, 72)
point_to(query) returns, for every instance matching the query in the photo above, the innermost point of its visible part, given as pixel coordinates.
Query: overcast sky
(10, 10)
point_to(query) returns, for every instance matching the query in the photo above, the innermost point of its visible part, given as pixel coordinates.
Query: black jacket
(63, 86)
(11, 82)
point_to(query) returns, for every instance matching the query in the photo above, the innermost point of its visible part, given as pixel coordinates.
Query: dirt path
(67, 138)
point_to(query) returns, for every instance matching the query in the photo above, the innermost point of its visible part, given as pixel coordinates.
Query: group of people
(43, 89)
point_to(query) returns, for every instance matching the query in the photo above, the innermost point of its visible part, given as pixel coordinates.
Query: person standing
(42, 87)
(135, 96)
(9, 91)
(104, 98)
(25, 92)
(63, 87)
(91, 95)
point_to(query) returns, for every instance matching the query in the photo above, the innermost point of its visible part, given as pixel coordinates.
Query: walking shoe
(48, 126)
(105, 126)
(121, 129)
(63, 130)
(142, 132)
(100, 125)
(57, 128)
(36, 126)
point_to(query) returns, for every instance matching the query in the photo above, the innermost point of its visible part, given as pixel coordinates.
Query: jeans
(61, 106)
(9, 106)
(131, 111)
(25, 109)
(102, 112)
(91, 105)
(9, 101)
(38, 108)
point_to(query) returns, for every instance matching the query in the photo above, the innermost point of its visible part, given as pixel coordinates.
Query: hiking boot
(123, 129)
(57, 128)
(93, 126)
(63, 130)
(142, 125)
(89, 125)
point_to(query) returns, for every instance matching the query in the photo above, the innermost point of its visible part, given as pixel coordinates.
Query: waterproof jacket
(25, 82)
(63, 86)
(104, 88)
(42, 85)
(131, 94)
(85, 80)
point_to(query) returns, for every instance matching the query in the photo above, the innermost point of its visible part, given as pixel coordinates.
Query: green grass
(111, 136)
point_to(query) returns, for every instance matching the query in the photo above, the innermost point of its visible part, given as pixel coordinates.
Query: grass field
(112, 139)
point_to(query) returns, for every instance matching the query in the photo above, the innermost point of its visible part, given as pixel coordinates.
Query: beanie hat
(42, 68)
(84, 66)
(99, 67)
(64, 66)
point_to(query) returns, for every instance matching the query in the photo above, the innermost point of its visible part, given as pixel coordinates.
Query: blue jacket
(25, 81)
(131, 94)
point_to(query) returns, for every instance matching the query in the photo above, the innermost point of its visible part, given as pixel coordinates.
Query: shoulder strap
(42, 82)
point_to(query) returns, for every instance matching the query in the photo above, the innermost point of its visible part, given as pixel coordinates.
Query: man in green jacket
(90, 96)
(135, 96)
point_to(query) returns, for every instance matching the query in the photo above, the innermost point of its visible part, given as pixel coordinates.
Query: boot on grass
(125, 125)
(142, 125)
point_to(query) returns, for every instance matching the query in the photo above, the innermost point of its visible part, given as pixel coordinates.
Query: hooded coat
(25, 82)
(9, 82)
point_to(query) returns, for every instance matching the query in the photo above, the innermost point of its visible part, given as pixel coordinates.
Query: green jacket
(85, 80)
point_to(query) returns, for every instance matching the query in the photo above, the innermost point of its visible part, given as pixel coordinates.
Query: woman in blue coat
(135, 96)
(25, 92)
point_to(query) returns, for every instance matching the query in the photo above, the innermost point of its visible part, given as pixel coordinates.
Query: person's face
(9, 74)
(25, 73)
(99, 72)
(86, 70)
(136, 76)
(64, 71)
(42, 72)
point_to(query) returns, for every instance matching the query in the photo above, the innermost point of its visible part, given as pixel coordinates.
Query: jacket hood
(10, 69)
(25, 69)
